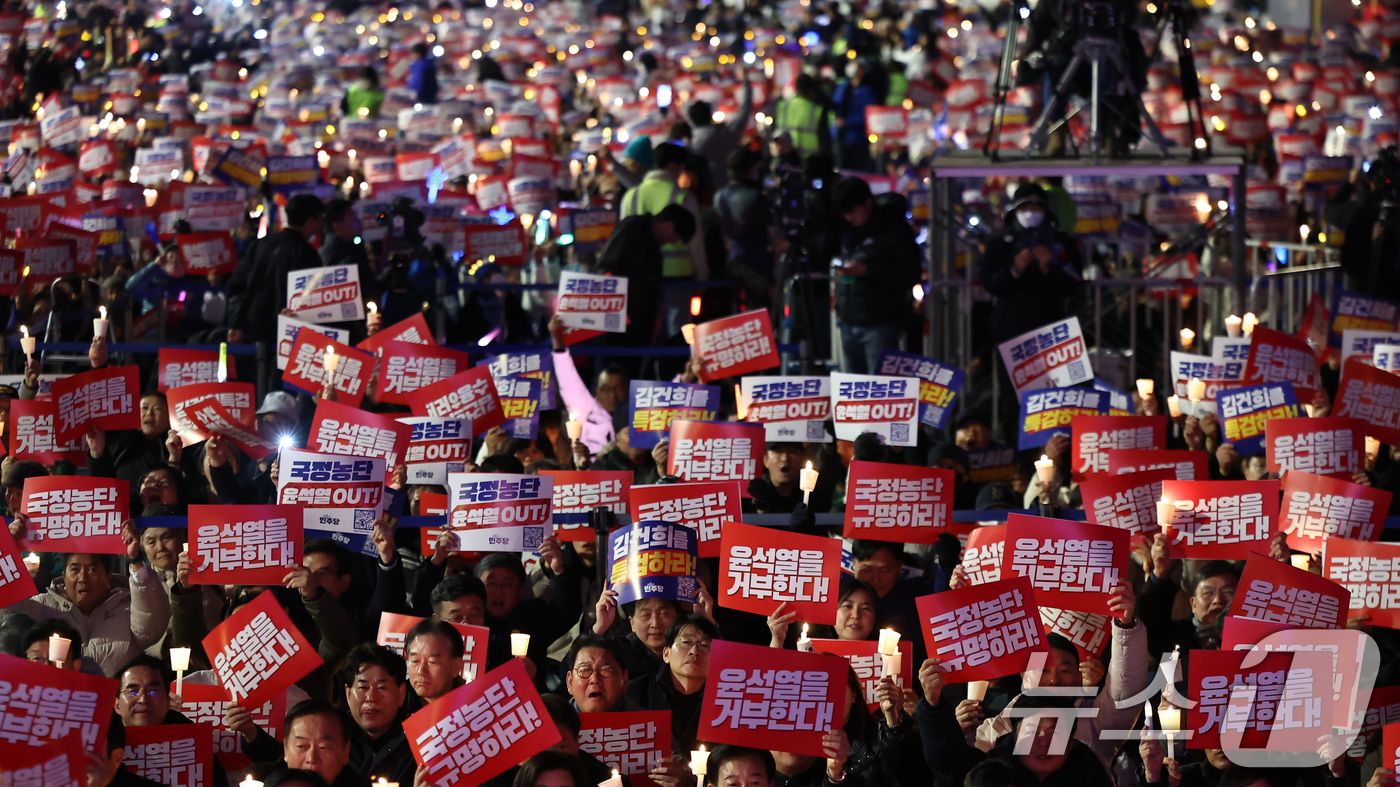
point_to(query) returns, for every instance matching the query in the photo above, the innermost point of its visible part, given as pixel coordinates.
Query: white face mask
(1030, 219)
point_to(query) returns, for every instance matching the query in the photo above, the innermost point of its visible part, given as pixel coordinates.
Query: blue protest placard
(653, 406)
(653, 559)
(939, 383)
(1119, 402)
(537, 364)
(1245, 411)
(520, 402)
(1360, 313)
(1048, 412)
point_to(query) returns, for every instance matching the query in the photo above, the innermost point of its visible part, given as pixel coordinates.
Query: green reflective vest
(801, 119)
(650, 197)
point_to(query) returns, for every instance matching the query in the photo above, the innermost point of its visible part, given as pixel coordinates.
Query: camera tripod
(1174, 14)
(1095, 52)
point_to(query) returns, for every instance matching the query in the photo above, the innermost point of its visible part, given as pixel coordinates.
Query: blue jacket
(422, 79)
(850, 102)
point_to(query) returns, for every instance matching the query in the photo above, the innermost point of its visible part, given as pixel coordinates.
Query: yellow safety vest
(801, 119)
(650, 197)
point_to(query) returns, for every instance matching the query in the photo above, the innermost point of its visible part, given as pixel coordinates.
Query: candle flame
(102, 310)
(373, 308)
(24, 329)
(809, 464)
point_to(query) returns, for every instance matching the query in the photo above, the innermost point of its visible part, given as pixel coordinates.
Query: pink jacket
(597, 422)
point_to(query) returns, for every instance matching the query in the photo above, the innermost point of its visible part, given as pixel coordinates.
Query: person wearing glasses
(679, 686)
(1214, 589)
(34, 646)
(143, 699)
(596, 678)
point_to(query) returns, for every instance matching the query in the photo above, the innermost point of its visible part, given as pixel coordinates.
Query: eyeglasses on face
(135, 694)
(585, 672)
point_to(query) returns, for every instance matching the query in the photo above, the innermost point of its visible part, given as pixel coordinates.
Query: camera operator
(1372, 246)
(1032, 269)
(1054, 27)
(877, 268)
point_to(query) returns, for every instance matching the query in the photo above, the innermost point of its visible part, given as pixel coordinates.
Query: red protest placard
(11, 265)
(1277, 592)
(15, 582)
(578, 492)
(1294, 703)
(469, 395)
(236, 398)
(1127, 501)
(306, 368)
(1189, 465)
(984, 631)
(211, 418)
(105, 398)
(1382, 708)
(744, 683)
(503, 245)
(243, 545)
(735, 345)
(85, 244)
(75, 514)
(337, 429)
(1316, 507)
(47, 260)
(706, 507)
(82, 701)
(1071, 565)
(208, 252)
(53, 763)
(1277, 357)
(1093, 436)
(405, 367)
(703, 451)
(414, 330)
(177, 367)
(631, 743)
(176, 755)
(1221, 520)
(204, 705)
(393, 634)
(1373, 396)
(482, 728)
(1088, 632)
(1390, 746)
(902, 503)
(864, 658)
(982, 558)
(1371, 573)
(258, 652)
(1246, 633)
(1326, 446)
(761, 568)
(32, 435)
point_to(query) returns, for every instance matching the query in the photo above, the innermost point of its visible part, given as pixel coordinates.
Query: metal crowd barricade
(1215, 299)
(1286, 276)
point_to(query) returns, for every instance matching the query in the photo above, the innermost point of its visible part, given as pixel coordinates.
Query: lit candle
(1300, 561)
(1188, 337)
(1310, 410)
(179, 661)
(330, 360)
(31, 561)
(1146, 387)
(372, 307)
(27, 342)
(807, 481)
(1174, 406)
(1166, 511)
(977, 690)
(1171, 722)
(1234, 326)
(699, 761)
(1249, 322)
(804, 644)
(1196, 390)
(889, 642)
(58, 649)
(615, 781)
(688, 331)
(519, 644)
(891, 663)
(1045, 469)
(249, 781)
(1373, 447)
(383, 782)
(574, 426)
(99, 325)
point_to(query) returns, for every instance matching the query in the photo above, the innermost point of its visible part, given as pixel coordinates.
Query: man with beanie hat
(636, 160)
(1032, 268)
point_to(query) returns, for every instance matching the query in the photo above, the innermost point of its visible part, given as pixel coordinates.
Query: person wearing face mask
(1032, 268)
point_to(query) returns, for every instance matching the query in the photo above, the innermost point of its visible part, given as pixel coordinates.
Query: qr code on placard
(816, 430)
(532, 537)
(521, 428)
(685, 589)
(364, 520)
(899, 433)
(1076, 371)
(612, 322)
(347, 310)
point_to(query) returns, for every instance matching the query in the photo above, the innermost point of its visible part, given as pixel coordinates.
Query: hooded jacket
(132, 616)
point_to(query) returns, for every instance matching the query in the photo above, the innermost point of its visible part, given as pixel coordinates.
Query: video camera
(1384, 174)
(403, 222)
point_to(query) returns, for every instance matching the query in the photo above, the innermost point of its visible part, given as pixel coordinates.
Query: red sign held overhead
(706, 507)
(1276, 592)
(211, 418)
(1277, 357)
(235, 398)
(83, 702)
(414, 330)
(469, 395)
(1071, 565)
(1221, 520)
(1088, 632)
(481, 729)
(32, 434)
(761, 568)
(1371, 573)
(405, 367)
(337, 429)
(703, 451)
(243, 545)
(744, 682)
(982, 559)
(104, 398)
(1093, 436)
(306, 368)
(735, 345)
(1332, 447)
(1127, 501)
(75, 514)
(578, 492)
(503, 245)
(175, 755)
(1372, 395)
(1293, 704)
(984, 631)
(899, 503)
(1316, 507)
(258, 652)
(176, 367)
(208, 252)
(15, 582)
